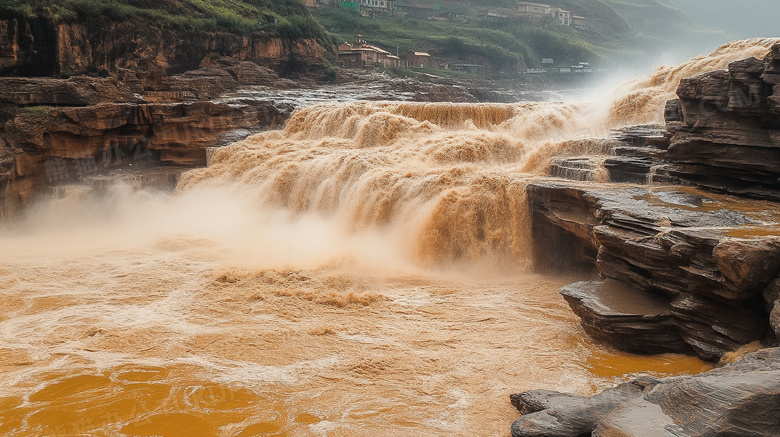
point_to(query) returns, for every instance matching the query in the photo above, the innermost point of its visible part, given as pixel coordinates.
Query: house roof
(366, 48)
(533, 4)
(421, 54)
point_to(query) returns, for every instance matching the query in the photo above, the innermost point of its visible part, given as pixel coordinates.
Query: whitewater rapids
(364, 271)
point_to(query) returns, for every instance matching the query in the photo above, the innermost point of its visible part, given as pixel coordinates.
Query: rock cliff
(688, 257)
(725, 128)
(701, 261)
(60, 130)
(43, 46)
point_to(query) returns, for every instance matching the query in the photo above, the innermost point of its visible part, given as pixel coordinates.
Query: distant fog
(737, 19)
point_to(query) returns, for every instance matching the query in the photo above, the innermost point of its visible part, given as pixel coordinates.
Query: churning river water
(364, 271)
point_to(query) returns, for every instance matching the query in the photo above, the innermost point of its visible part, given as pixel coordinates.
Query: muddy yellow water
(364, 271)
(169, 341)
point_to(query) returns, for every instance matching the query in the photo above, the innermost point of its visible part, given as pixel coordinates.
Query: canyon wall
(688, 258)
(154, 96)
(55, 131)
(46, 47)
(703, 264)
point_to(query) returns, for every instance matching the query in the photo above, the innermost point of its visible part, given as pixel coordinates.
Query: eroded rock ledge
(706, 265)
(741, 399)
(681, 269)
(59, 130)
(701, 263)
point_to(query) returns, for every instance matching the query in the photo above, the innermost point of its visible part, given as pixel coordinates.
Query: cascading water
(363, 271)
(447, 179)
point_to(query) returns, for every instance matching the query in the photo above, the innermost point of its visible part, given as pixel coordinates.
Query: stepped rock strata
(682, 270)
(680, 247)
(710, 258)
(59, 130)
(725, 128)
(619, 314)
(740, 399)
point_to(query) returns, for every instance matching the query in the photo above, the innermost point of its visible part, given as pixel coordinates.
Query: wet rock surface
(740, 399)
(725, 128)
(669, 246)
(55, 130)
(682, 269)
(710, 258)
(633, 320)
(553, 414)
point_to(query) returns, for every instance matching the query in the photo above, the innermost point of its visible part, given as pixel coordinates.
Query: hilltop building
(541, 11)
(360, 54)
(417, 11)
(419, 60)
(578, 21)
(374, 7)
(492, 17)
(533, 10)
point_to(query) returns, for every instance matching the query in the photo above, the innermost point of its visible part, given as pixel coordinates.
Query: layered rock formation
(59, 130)
(726, 128)
(153, 105)
(45, 47)
(701, 262)
(681, 269)
(741, 399)
(677, 250)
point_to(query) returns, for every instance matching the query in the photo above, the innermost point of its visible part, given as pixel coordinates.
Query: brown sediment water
(167, 340)
(643, 99)
(364, 271)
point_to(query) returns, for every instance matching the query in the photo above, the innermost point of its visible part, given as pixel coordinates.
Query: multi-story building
(377, 6)
(557, 16)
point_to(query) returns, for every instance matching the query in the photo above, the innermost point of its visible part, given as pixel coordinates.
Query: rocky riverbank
(688, 259)
(57, 130)
(62, 130)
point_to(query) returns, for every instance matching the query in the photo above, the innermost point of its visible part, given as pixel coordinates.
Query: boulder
(740, 399)
(748, 264)
(553, 414)
(637, 418)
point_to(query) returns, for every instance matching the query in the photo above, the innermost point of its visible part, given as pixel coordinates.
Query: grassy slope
(289, 18)
(618, 30)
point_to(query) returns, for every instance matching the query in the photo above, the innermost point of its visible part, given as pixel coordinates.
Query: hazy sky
(738, 19)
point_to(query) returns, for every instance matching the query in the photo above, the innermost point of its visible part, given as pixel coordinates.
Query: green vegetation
(288, 18)
(35, 111)
(502, 45)
(617, 32)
